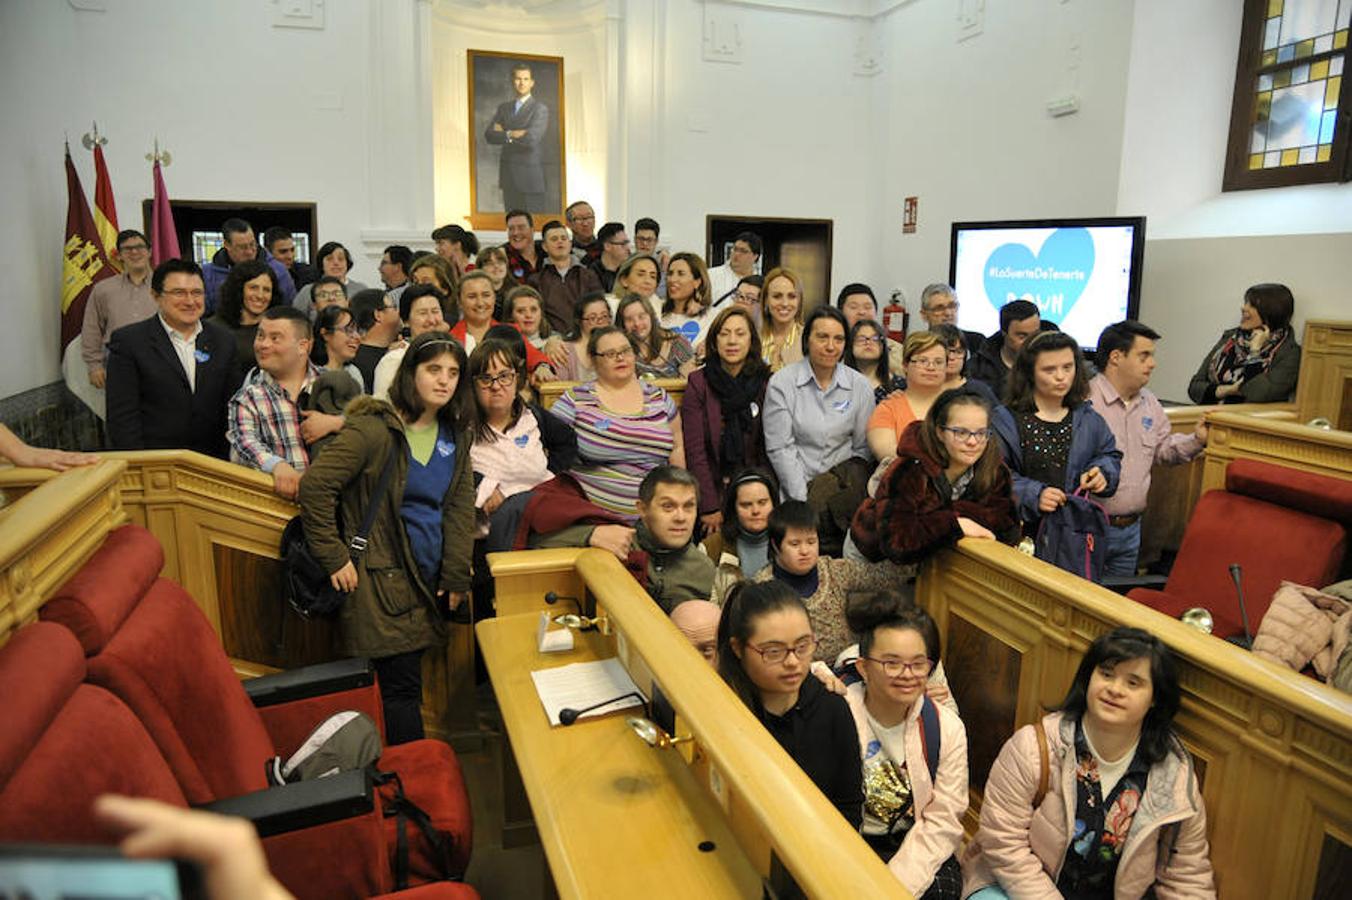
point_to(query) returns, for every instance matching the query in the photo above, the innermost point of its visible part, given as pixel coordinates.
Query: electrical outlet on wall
(298, 13)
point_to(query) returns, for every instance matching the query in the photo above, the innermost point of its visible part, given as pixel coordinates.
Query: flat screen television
(1083, 274)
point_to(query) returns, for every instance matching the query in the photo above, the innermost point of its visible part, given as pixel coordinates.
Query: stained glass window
(1289, 96)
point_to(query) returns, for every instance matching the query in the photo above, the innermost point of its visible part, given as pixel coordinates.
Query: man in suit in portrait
(171, 376)
(519, 127)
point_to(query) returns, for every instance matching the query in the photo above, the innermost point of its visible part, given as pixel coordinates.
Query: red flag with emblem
(105, 210)
(85, 262)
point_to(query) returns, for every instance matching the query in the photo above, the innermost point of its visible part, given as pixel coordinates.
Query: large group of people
(811, 461)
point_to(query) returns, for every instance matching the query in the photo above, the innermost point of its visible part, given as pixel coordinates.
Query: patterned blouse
(1101, 824)
(616, 450)
(678, 353)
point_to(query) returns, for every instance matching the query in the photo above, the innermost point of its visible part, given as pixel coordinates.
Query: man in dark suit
(519, 127)
(171, 376)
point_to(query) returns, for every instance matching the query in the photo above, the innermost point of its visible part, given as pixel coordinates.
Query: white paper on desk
(584, 684)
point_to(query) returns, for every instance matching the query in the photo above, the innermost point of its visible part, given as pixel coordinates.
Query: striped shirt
(616, 450)
(264, 423)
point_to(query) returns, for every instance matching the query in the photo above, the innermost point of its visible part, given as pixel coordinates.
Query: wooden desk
(617, 818)
(522, 579)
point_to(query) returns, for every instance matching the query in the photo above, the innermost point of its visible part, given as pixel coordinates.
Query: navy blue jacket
(1091, 444)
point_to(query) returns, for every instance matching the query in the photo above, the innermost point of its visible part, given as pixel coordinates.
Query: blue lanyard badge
(1147, 422)
(521, 440)
(445, 447)
(841, 406)
(201, 356)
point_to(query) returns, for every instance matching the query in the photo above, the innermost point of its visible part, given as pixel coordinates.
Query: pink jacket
(1023, 848)
(937, 833)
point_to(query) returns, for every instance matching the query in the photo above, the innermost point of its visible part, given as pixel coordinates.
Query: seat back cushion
(96, 600)
(74, 741)
(1271, 543)
(1319, 495)
(167, 664)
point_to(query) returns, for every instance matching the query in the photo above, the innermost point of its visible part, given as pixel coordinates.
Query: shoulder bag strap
(358, 543)
(1044, 764)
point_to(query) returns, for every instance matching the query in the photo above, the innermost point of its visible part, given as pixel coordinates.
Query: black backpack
(308, 587)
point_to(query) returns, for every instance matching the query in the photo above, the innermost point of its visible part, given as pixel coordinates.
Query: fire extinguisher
(896, 318)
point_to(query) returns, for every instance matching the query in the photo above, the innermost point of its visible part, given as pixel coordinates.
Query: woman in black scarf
(1259, 361)
(721, 410)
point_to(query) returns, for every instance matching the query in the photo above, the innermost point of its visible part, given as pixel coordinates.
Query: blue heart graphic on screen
(1054, 278)
(690, 330)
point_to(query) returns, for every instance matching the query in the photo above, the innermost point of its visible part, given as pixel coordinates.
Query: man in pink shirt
(117, 301)
(1126, 359)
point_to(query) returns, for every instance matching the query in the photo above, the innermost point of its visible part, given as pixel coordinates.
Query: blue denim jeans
(1124, 545)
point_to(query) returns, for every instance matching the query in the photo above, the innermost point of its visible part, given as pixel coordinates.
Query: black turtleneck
(805, 585)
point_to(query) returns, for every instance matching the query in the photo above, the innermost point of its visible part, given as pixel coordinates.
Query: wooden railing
(1292, 444)
(773, 809)
(1274, 748)
(220, 526)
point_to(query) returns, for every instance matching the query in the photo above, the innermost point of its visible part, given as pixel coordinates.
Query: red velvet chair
(1277, 523)
(66, 741)
(149, 644)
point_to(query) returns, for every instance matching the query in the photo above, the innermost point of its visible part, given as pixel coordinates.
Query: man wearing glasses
(117, 301)
(615, 249)
(171, 376)
(939, 306)
(587, 244)
(746, 253)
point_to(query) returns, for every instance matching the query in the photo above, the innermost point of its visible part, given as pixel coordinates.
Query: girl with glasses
(925, 360)
(1120, 813)
(517, 445)
(765, 647)
(866, 353)
(338, 341)
(569, 356)
(955, 372)
(915, 793)
(947, 482)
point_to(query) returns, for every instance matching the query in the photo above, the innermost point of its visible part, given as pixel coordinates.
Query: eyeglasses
(967, 435)
(185, 293)
(875, 340)
(954, 352)
(774, 654)
(611, 356)
(502, 379)
(747, 299)
(329, 295)
(349, 330)
(894, 667)
(928, 363)
(942, 307)
(596, 320)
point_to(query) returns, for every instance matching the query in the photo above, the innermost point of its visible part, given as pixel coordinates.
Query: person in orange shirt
(925, 358)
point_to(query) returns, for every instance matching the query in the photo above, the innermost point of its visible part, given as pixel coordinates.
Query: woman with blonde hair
(925, 358)
(782, 321)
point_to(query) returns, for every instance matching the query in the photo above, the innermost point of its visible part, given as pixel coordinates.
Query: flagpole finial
(164, 158)
(93, 139)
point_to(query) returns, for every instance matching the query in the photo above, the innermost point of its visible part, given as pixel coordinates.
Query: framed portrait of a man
(516, 156)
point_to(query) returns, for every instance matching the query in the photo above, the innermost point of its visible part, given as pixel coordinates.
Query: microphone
(568, 715)
(551, 598)
(1236, 576)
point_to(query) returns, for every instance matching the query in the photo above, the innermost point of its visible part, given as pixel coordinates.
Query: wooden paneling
(1275, 747)
(259, 625)
(1326, 372)
(989, 692)
(522, 579)
(552, 390)
(1235, 436)
(1174, 489)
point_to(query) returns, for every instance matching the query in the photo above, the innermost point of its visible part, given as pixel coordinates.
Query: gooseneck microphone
(1236, 575)
(551, 598)
(568, 715)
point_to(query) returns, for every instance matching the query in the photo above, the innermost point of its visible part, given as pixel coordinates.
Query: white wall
(963, 126)
(249, 112)
(1206, 246)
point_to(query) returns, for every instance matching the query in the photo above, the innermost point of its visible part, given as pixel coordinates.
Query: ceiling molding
(532, 17)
